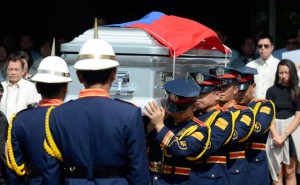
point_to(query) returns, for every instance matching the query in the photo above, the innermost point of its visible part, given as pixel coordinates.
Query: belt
(166, 169)
(237, 155)
(34, 172)
(258, 146)
(213, 159)
(82, 173)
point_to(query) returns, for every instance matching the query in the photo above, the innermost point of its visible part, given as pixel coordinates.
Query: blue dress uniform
(237, 164)
(25, 144)
(211, 168)
(264, 114)
(177, 145)
(95, 140)
(243, 127)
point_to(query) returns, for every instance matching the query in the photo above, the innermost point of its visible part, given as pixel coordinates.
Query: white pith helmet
(96, 54)
(52, 69)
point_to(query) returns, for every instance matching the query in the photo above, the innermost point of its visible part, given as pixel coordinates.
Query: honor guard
(264, 114)
(181, 139)
(243, 125)
(95, 139)
(211, 168)
(26, 131)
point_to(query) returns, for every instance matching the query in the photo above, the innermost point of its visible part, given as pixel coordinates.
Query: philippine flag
(177, 33)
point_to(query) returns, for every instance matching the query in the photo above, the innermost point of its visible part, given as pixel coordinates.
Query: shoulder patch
(198, 135)
(246, 119)
(125, 102)
(221, 123)
(265, 109)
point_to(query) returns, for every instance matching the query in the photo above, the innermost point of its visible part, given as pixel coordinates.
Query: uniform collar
(215, 107)
(229, 104)
(93, 92)
(50, 102)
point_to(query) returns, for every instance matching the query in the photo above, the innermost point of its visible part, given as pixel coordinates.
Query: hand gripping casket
(145, 64)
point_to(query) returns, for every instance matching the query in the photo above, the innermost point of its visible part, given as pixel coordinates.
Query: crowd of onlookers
(248, 49)
(36, 49)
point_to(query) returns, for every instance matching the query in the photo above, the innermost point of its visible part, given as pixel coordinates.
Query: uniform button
(237, 171)
(256, 160)
(155, 178)
(213, 175)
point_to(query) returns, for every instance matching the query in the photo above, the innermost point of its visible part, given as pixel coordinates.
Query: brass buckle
(158, 167)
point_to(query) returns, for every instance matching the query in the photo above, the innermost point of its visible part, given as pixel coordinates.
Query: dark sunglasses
(263, 45)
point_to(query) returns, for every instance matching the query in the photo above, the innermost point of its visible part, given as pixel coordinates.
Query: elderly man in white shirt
(18, 92)
(266, 65)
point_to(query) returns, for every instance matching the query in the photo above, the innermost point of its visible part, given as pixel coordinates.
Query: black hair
(20, 55)
(49, 90)
(1, 88)
(264, 35)
(294, 79)
(97, 76)
(290, 35)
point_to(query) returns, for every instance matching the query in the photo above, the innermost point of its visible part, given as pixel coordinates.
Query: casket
(145, 64)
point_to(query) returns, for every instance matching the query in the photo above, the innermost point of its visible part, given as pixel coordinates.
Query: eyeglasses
(263, 45)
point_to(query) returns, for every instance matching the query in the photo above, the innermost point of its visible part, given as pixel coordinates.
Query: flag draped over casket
(177, 33)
